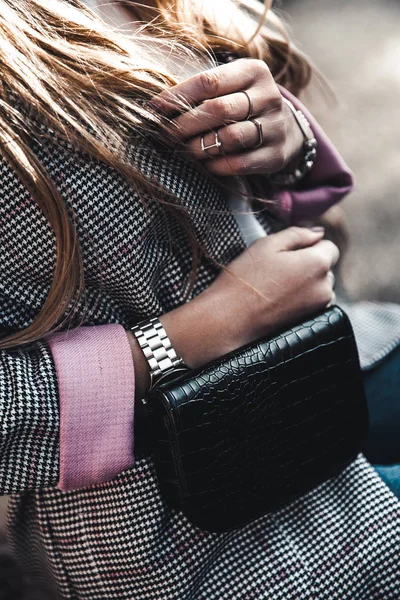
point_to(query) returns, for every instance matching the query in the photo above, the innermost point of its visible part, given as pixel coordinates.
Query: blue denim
(382, 387)
(391, 476)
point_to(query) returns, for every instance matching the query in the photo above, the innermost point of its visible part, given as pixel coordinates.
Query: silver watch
(157, 348)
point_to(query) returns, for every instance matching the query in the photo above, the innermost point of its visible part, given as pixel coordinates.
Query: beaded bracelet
(309, 148)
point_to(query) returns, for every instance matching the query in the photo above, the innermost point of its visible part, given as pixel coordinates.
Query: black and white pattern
(118, 540)
(377, 330)
(29, 422)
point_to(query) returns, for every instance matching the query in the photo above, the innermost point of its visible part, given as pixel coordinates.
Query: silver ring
(217, 144)
(260, 133)
(251, 108)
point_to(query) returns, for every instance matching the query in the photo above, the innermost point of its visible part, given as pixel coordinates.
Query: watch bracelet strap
(309, 148)
(157, 349)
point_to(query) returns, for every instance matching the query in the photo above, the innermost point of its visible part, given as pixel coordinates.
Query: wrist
(296, 145)
(302, 162)
(141, 367)
(202, 330)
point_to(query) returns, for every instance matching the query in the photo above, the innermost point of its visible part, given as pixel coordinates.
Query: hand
(219, 105)
(277, 281)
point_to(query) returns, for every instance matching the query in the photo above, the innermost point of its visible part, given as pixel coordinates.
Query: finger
(296, 238)
(332, 279)
(233, 108)
(332, 300)
(330, 250)
(219, 81)
(261, 161)
(324, 255)
(212, 114)
(234, 138)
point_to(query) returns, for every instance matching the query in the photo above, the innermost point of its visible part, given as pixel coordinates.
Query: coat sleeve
(96, 383)
(66, 410)
(67, 401)
(29, 419)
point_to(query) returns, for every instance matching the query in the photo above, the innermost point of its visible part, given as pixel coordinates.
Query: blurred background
(356, 45)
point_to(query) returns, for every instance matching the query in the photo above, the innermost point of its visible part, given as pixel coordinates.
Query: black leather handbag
(249, 432)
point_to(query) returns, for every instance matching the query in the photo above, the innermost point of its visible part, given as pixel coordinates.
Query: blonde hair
(92, 84)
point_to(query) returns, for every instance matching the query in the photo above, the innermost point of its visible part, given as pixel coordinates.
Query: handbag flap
(253, 430)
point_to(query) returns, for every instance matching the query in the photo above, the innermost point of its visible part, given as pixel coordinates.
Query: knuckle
(296, 233)
(209, 81)
(329, 295)
(257, 165)
(237, 136)
(280, 130)
(276, 100)
(323, 264)
(331, 252)
(260, 66)
(324, 295)
(223, 108)
(278, 160)
(239, 165)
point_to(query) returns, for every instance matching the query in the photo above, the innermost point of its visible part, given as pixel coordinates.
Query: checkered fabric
(118, 540)
(377, 330)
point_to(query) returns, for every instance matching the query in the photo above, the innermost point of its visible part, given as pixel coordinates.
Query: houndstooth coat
(118, 540)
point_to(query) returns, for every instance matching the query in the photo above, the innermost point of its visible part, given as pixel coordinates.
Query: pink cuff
(96, 387)
(328, 182)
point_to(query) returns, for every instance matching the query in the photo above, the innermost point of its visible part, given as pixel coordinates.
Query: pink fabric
(328, 182)
(96, 386)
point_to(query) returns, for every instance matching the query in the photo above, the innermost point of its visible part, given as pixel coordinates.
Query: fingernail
(318, 229)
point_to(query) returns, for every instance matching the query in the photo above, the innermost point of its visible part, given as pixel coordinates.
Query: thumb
(297, 238)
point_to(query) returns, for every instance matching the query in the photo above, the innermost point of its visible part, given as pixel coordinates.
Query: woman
(104, 135)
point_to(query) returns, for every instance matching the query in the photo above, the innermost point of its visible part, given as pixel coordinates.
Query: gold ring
(260, 133)
(251, 108)
(217, 144)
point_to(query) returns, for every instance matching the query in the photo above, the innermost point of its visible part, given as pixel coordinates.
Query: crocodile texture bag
(249, 432)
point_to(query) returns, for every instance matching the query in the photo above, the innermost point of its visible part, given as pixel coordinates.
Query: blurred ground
(356, 44)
